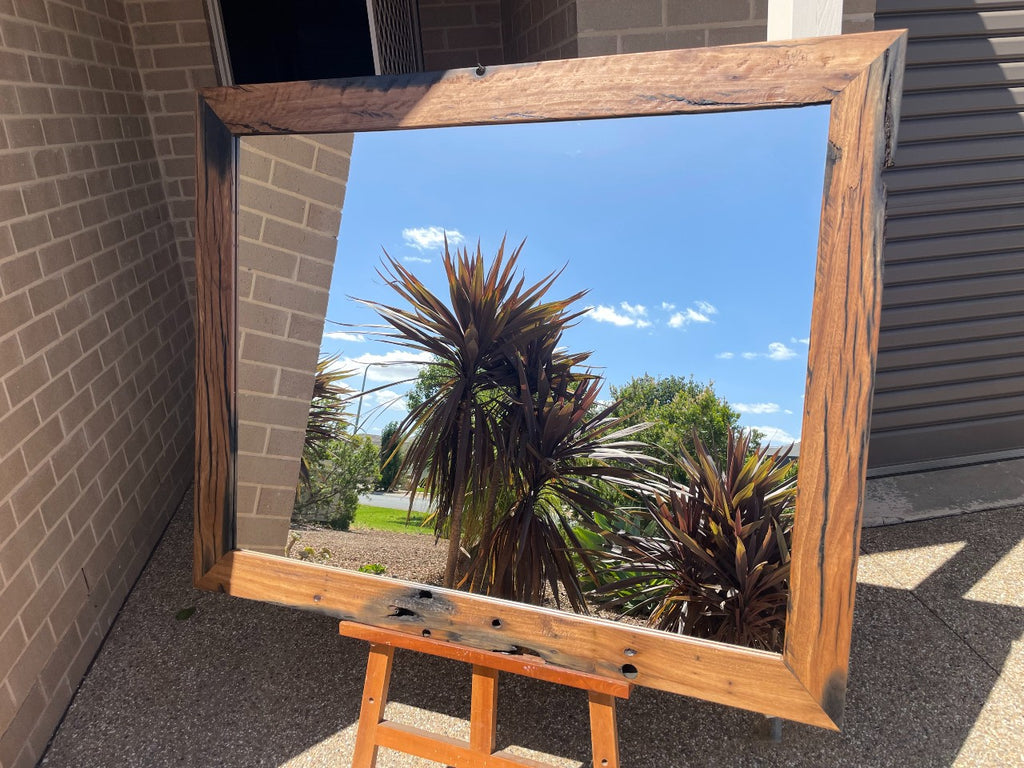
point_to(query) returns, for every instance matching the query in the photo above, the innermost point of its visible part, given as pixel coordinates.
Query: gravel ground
(411, 556)
(935, 679)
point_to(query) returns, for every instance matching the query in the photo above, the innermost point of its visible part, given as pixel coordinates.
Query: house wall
(290, 196)
(609, 26)
(461, 33)
(950, 366)
(96, 335)
(534, 30)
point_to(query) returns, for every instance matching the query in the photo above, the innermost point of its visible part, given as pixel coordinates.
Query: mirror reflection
(562, 363)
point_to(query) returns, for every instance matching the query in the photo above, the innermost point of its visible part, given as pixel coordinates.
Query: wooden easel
(374, 731)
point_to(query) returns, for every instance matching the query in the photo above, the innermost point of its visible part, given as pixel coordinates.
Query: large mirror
(706, 331)
(660, 478)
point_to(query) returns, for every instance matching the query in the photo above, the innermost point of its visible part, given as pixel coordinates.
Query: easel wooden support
(374, 731)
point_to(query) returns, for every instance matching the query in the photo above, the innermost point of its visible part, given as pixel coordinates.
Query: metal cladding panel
(950, 378)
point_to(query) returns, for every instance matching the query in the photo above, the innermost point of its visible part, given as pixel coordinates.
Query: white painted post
(792, 19)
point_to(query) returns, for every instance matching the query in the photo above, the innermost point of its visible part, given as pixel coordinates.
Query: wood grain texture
(216, 150)
(483, 716)
(604, 731)
(371, 711)
(447, 750)
(840, 378)
(726, 674)
(505, 661)
(737, 77)
(859, 75)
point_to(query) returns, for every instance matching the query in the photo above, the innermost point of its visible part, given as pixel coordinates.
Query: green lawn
(384, 519)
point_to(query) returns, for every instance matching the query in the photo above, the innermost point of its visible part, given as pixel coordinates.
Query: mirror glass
(694, 239)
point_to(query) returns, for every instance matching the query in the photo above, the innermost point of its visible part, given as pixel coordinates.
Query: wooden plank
(447, 750)
(732, 675)
(375, 699)
(216, 153)
(604, 732)
(662, 82)
(840, 375)
(517, 663)
(483, 718)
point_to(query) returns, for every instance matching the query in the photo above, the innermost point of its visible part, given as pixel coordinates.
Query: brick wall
(173, 54)
(96, 338)
(858, 16)
(290, 197)
(461, 33)
(612, 26)
(533, 30)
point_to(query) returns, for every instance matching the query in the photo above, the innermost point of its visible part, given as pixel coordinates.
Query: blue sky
(695, 236)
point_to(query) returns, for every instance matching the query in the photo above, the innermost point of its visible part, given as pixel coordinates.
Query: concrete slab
(247, 684)
(943, 492)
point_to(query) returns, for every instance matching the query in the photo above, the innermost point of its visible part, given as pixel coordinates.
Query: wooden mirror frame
(860, 77)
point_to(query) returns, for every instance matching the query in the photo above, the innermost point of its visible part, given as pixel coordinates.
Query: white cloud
(604, 314)
(358, 338)
(636, 310)
(776, 351)
(776, 436)
(700, 312)
(779, 351)
(430, 238)
(416, 259)
(393, 366)
(794, 340)
(756, 407)
(725, 356)
(667, 307)
(788, 412)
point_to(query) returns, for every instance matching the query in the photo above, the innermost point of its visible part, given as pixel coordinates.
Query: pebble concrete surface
(936, 677)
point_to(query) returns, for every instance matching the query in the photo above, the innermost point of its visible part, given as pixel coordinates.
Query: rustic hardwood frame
(860, 77)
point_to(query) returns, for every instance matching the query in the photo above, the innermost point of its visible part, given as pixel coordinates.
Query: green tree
(429, 381)
(390, 456)
(676, 408)
(344, 470)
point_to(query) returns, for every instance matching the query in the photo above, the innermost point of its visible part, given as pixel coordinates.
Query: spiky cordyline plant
(454, 439)
(328, 418)
(718, 567)
(557, 447)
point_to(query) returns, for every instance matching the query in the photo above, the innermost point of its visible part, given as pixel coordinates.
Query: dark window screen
(297, 39)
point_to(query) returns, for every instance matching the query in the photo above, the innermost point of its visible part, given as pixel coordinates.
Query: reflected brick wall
(290, 194)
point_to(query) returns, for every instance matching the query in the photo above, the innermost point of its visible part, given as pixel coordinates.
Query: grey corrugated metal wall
(951, 360)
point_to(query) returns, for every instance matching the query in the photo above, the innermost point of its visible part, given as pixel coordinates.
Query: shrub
(717, 566)
(345, 470)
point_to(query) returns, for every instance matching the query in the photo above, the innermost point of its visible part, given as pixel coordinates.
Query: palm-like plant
(718, 565)
(558, 446)
(328, 418)
(454, 438)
